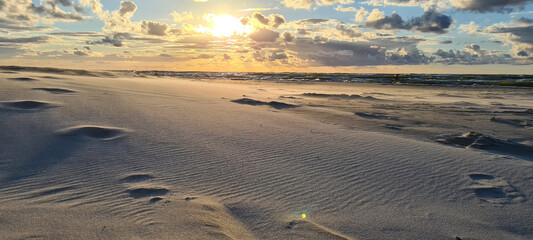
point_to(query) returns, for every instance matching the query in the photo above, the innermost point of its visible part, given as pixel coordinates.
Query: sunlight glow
(224, 26)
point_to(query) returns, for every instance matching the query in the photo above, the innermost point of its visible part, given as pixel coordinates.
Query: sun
(224, 26)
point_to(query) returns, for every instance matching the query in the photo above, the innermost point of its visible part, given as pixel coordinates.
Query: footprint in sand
(92, 131)
(55, 90)
(495, 190)
(27, 105)
(135, 178)
(140, 190)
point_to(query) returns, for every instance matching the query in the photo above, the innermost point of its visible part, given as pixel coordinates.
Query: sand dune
(166, 158)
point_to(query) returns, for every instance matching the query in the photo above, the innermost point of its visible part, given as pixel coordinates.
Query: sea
(419, 79)
(502, 80)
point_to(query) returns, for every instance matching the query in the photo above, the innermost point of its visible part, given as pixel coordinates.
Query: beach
(117, 155)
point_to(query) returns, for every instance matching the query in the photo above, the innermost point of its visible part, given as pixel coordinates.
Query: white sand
(163, 158)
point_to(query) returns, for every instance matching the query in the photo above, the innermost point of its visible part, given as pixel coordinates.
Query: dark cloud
(264, 35)
(302, 31)
(489, 5)
(115, 40)
(288, 37)
(348, 31)
(388, 23)
(77, 52)
(52, 11)
(2, 4)
(65, 3)
(472, 55)
(343, 53)
(522, 20)
(277, 20)
(522, 54)
(154, 28)
(36, 39)
(430, 22)
(77, 34)
(277, 56)
(312, 21)
(127, 8)
(520, 34)
(260, 18)
(11, 26)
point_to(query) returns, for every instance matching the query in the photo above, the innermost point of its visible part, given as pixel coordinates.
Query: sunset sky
(390, 36)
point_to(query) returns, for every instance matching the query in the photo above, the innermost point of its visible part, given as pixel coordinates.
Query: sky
(355, 36)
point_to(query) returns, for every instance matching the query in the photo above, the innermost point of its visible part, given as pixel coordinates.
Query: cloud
(383, 51)
(260, 18)
(288, 37)
(312, 21)
(115, 40)
(36, 39)
(489, 5)
(430, 22)
(119, 21)
(274, 20)
(348, 31)
(24, 15)
(264, 35)
(472, 28)
(472, 55)
(426, 4)
(522, 21)
(80, 53)
(77, 34)
(154, 28)
(306, 4)
(127, 9)
(181, 17)
(521, 37)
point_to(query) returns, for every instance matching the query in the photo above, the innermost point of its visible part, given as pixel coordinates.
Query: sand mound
(26, 105)
(487, 143)
(471, 140)
(274, 104)
(518, 123)
(24, 79)
(55, 90)
(98, 132)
